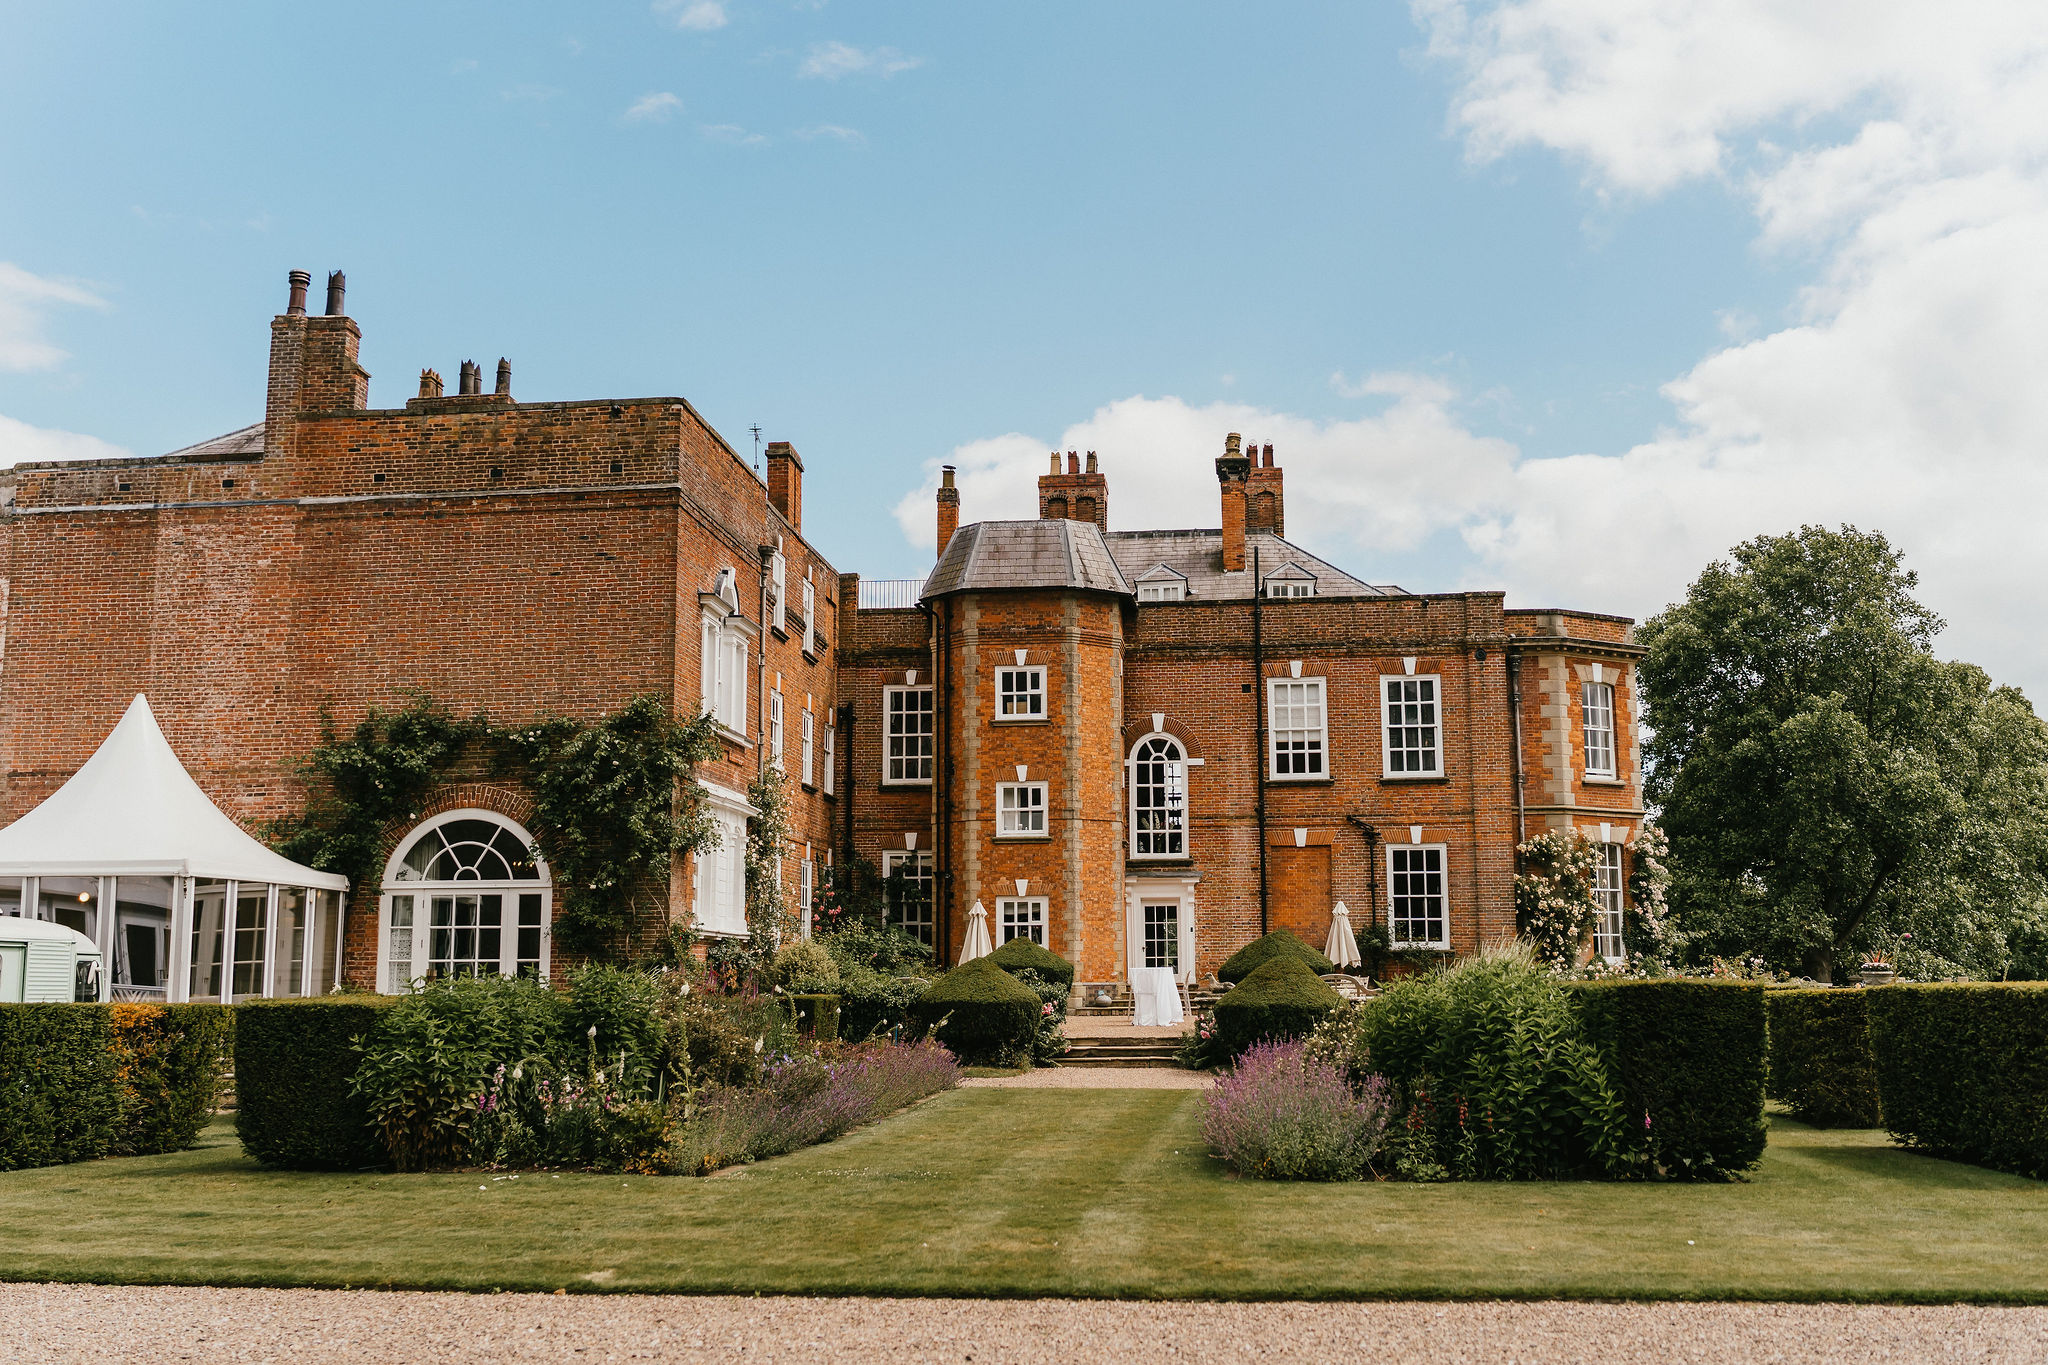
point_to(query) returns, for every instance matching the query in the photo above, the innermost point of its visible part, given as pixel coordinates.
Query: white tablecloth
(1155, 999)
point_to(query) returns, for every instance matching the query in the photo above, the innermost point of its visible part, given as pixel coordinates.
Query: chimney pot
(1233, 444)
(1073, 462)
(1055, 462)
(337, 293)
(1091, 462)
(430, 383)
(948, 500)
(505, 377)
(300, 281)
(945, 476)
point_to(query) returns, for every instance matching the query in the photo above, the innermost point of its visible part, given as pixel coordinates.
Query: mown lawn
(1020, 1192)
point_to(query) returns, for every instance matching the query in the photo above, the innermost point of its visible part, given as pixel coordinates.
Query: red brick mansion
(1138, 747)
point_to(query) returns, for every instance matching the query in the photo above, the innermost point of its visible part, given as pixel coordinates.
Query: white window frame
(419, 896)
(806, 886)
(810, 614)
(1020, 810)
(1176, 775)
(1409, 853)
(810, 773)
(1596, 712)
(778, 584)
(831, 756)
(775, 730)
(1018, 916)
(722, 665)
(1608, 883)
(719, 889)
(925, 927)
(1168, 591)
(1315, 755)
(919, 765)
(1289, 580)
(1394, 728)
(1007, 695)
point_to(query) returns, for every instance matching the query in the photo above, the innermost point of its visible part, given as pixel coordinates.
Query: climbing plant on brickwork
(612, 803)
(1554, 893)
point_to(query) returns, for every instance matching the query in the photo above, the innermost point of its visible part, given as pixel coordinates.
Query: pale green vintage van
(41, 961)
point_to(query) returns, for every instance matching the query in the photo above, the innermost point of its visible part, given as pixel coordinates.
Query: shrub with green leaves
(983, 1015)
(624, 1007)
(171, 1059)
(1282, 999)
(1494, 1076)
(1021, 954)
(1962, 1069)
(872, 1003)
(424, 1067)
(1256, 954)
(1822, 1067)
(60, 1096)
(295, 1061)
(803, 967)
(1689, 1059)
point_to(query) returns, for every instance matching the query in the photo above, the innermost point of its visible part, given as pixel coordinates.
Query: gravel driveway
(61, 1323)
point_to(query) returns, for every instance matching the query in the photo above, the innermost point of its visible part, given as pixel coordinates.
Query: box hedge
(1256, 954)
(1822, 1067)
(872, 1003)
(1962, 1070)
(60, 1094)
(169, 1060)
(815, 1016)
(293, 1063)
(1281, 999)
(983, 1015)
(1021, 954)
(1690, 1058)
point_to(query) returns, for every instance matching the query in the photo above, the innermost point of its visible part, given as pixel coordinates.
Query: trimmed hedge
(1962, 1070)
(871, 1003)
(1280, 1000)
(983, 1015)
(60, 1096)
(1256, 954)
(816, 1016)
(1689, 1057)
(169, 1060)
(294, 1060)
(1822, 1067)
(1021, 954)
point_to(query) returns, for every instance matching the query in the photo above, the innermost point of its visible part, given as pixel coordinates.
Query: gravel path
(1098, 1078)
(63, 1323)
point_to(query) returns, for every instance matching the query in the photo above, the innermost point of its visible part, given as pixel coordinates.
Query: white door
(13, 972)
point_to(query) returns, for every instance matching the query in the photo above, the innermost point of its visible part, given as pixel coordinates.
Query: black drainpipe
(1259, 689)
(1515, 733)
(942, 848)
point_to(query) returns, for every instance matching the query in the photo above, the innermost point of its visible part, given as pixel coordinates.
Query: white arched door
(463, 895)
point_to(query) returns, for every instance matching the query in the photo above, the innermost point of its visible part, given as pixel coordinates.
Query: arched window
(1159, 798)
(463, 896)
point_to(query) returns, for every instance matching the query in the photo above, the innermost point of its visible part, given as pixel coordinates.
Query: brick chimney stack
(1264, 499)
(1074, 495)
(949, 508)
(1233, 469)
(313, 365)
(430, 383)
(786, 483)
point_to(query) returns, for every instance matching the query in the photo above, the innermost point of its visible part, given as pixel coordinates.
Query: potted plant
(1878, 969)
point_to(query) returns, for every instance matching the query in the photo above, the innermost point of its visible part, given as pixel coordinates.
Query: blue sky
(1534, 310)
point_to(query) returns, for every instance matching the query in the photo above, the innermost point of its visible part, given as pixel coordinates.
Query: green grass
(1022, 1192)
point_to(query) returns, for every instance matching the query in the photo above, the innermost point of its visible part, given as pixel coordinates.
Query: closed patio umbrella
(1342, 949)
(977, 944)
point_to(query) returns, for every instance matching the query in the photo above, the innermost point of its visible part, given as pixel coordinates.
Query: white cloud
(852, 136)
(1901, 146)
(24, 300)
(21, 443)
(1366, 486)
(831, 60)
(732, 134)
(697, 16)
(658, 107)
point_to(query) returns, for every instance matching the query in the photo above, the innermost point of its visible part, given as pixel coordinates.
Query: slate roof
(245, 442)
(1026, 554)
(1198, 557)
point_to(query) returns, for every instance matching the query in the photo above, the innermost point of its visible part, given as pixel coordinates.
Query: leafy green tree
(1827, 784)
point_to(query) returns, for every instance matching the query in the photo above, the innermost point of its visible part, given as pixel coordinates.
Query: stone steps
(1129, 1052)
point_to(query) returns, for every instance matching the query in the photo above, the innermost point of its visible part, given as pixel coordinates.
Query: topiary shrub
(1280, 1000)
(1822, 1067)
(1256, 954)
(294, 1062)
(60, 1098)
(803, 967)
(873, 1002)
(983, 1015)
(1962, 1070)
(816, 1016)
(1689, 1058)
(1021, 954)
(170, 1059)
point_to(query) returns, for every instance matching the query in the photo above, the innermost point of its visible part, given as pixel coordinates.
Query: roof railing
(881, 593)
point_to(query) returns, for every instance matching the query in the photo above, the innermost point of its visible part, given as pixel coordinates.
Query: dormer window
(1161, 584)
(1290, 580)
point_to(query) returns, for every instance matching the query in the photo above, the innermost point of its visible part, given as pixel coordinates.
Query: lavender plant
(1282, 1115)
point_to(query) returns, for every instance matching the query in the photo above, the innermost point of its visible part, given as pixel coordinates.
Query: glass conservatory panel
(73, 902)
(209, 937)
(288, 968)
(142, 936)
(10, 896)
(252, 904)
(321, 952)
